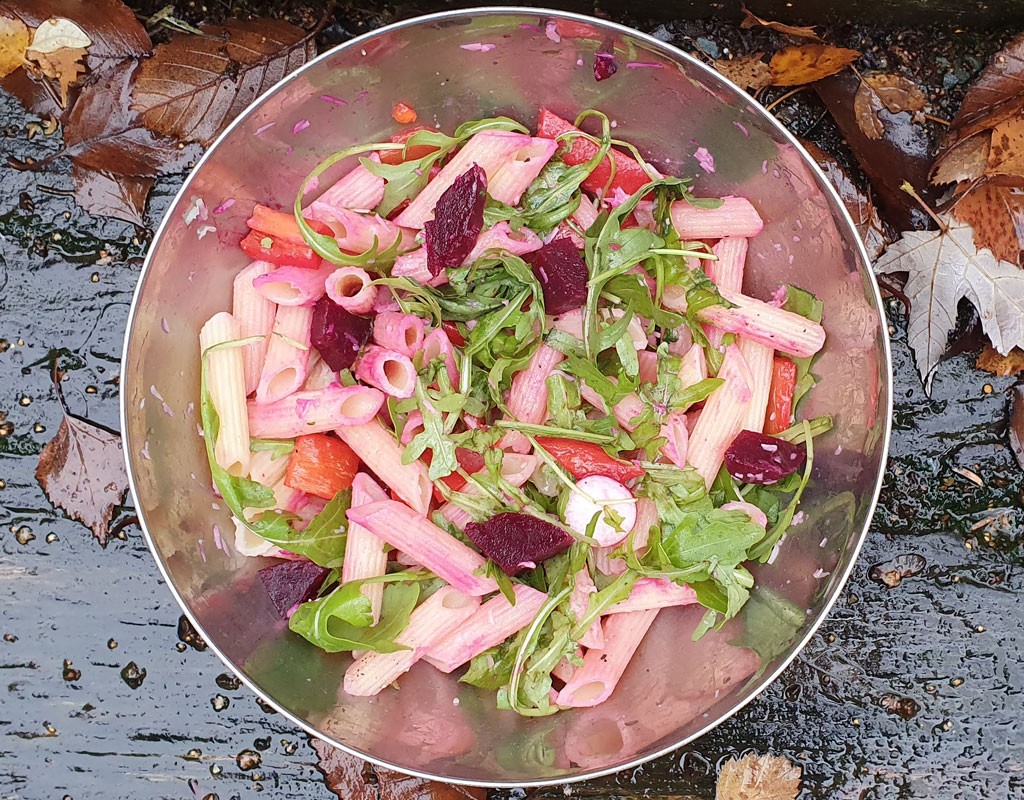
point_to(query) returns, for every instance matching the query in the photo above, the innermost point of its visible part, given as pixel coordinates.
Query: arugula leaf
(797, 434)
(340, 621)
(716, 536)
(433, 437)
(492, 669)
(632, 290)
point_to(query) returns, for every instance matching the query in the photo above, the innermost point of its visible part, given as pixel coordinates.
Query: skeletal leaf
(806, 63)
(14, 39)
(755, 777)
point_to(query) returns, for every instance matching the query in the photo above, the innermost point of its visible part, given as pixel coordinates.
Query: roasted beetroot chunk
(757, 458)
(517, 541)
(292, 582)
(562, 273)
(458, 220)
(338, 335)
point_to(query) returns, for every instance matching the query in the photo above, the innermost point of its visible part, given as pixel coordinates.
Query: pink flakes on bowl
(604, 66)
(551, 31)
(264, 128)
(300, 126)
(478, 47)
(224, 205)
(705, 159)
(643, 65)
(330, 99)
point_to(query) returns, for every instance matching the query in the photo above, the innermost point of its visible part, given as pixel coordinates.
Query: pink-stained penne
(351, 288)
(600, 738)
(722, 417)
(255, 316)
(319, 375)
(757, 516)
(516, 468)
(439, 615)
(528, 398)
(357, 233)
(490, 150)
(677, 437)
(267, 467)
(225, 380)
(436, 344)
(314, 411)
(501, 237)
(414, 265)
(693, 368)
(387, 370)
(293, 286)
(727, 272)
(585, 214)
(578, 602)
(571, 322)
(513, 177)
(628, 409)
(594, 682)
(284, 369)
(358, 190)
(565, 669)
(491, 624)
(400, 332)
(445, 556)
(735, 217)
(649, 593)
(378, 448)
(365, 554)
(413, 427)
(249, 544)
(759, 359)
(646, 518)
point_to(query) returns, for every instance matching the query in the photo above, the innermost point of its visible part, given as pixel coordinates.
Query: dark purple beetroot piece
(562, 273)
(338, 335)
(292, 582)
(604, 66)
(515, 541)
(458, 220)
(757, 458)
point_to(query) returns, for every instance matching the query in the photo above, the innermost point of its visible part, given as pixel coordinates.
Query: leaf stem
(906, 187)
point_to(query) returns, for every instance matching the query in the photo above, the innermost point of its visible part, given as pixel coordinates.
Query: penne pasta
(293, 286)
(734, 217)
(225, 377)
(579, 599)
(387, 370)
(513, 177)
(759, 359)
(528, 398)
(314, 411)
(402, 333)
(651, 593)
(722, 418)
(727, 272)
(266, 469)
(365, 554)
(351, 288)
(358, 190)
(284, 369)
(255, 316)
(378, 448)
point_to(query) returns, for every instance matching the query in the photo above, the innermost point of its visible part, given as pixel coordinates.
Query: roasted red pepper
(321, 465)
(629, 175)
(779, 415)
(275, 237)
(470, 460)
(583, 459)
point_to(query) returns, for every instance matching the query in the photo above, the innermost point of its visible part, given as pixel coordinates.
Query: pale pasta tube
(358, 190)
(435, 618)
(319, 375)
(255, 315)
(759, 359)
(352, 289)
(284, 369)
(225, 379)
(528, 397)
(722, 417)
(365, 555)
(293, 286)
(594, 682)
(314, 411)
(378, 448)
(400, 332)
(513, 177)
(388, 370)
(490, 625)
(734, 217)
(727, 272)
(578, 602)
(266, 469)
(357, 233)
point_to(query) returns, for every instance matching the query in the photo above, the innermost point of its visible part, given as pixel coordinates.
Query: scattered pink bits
(643, 65)
(362, 96)
(618, 197)
(202, 550)
(224, 206)
(330, 99)
(705, 159)
(579, 62)
(264, 128)
(764, 167)
(202, 230)
(217, 540)
(478, 47)
(144, 452)
(164, 325)
(527, 27)
(743, 129)
(313, 185)
(551, 31)
(300, 126)
(819, 573)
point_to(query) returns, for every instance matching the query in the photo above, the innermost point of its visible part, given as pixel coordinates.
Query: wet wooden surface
(914, 691)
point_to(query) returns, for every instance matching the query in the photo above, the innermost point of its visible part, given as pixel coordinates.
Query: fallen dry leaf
(806, 63)
(65, 65)
(964, 161)
(193, 86)
(103, 194)
(58, 33)
(894, 93)
(866, 105)
(82, 472)
(1016, 424)
(995, 95)
(747, 72)
(944, 266)
(14, 40)
(351, 778)
(1006, 154)
(751, 20)
(755, 777)
(857, 202)
(990, 360)
(997, 215)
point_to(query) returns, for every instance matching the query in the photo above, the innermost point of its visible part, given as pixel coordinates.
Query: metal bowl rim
(844, 218)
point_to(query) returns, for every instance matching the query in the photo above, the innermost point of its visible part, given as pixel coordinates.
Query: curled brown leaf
(806, 63)
(964, 161)
(894, 93)
(755, 777)
(751, 20)
(748, 72)
(995, 95)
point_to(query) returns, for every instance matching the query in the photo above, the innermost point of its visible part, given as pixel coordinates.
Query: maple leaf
(755, 777)
(964, 161)
(943, 267)
(81, 470)
(996, 212)
(1006, 154)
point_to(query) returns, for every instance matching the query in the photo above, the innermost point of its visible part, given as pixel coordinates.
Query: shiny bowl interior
(667, 104)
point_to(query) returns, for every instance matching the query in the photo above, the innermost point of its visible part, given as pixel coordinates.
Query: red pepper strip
(779, 415)
(260, 247)
(321, 465)
(280, 225)
(629, 175)
(454, 336)
(469, 460)
(582, 459)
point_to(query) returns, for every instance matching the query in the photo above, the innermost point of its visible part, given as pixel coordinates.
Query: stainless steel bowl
(666, 103)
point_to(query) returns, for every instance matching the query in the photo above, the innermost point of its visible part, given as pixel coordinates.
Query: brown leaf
(351, 778)
(750, 20)
(748, 72)
(964, 161)
(997, 215)
(193, 86)
(756, 777)
(65, 66)
(103, 133)
(857, 202)
(1006, 154)
(82, 472)
(105, 195)
(806, 63)
(866, 105)
(14, 39)
(896, 92)
(990, 360)
(996, 93)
